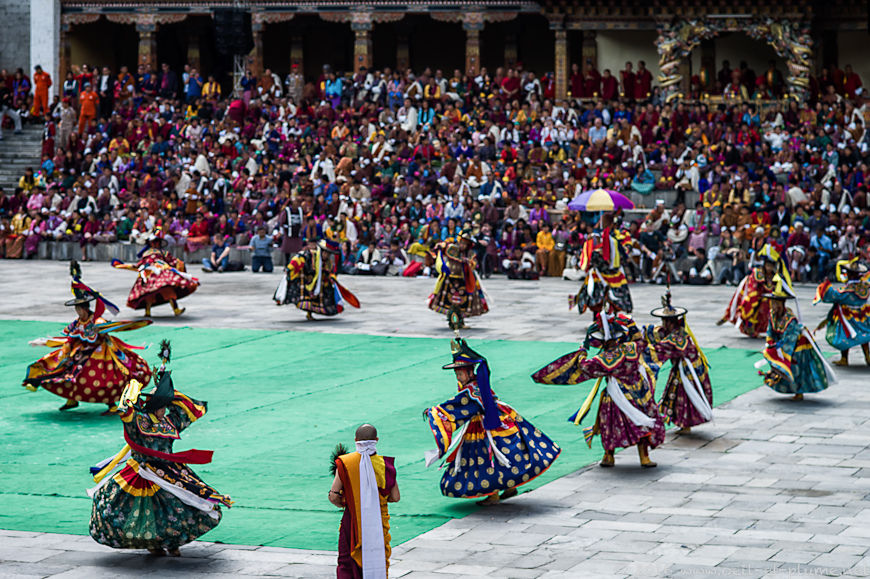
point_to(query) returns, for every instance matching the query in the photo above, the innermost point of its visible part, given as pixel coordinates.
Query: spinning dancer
(312, 284)
(797, 366)
(688, 397)
(849, 319)
(155, 501)
(458, 292)
(747, 310)
(605, 283)
(90, 365)
(627, 412)
(488, 448)
(162, 277)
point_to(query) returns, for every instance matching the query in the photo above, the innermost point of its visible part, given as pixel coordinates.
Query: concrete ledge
(126, 252)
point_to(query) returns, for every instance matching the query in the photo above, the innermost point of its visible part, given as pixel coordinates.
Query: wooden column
(361, 24)
(472, 23)
(589, 51)
(147, 30)
(296, 52)
(511, 54)
(403, 52)
(255, 58)
(561, 65)
(708, 65)
(193, 54)
(685, 69)
(64, 56)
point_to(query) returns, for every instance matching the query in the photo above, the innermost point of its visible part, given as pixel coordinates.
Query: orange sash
(348, 472)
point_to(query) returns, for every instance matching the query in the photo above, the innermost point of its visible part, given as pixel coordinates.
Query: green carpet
(278, 404)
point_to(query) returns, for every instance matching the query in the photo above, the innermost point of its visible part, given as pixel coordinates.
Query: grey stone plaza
(770, 488)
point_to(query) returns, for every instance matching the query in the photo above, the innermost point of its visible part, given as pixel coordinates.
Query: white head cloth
(374, 557)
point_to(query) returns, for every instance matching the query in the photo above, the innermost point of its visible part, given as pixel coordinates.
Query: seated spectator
(370, 261)
(545, 244)
(520, 265)
(219, 258)
(261, 246)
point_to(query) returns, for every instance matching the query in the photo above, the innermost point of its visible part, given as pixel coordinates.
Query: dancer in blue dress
(848, 321)
(488, 448)
(796, 363)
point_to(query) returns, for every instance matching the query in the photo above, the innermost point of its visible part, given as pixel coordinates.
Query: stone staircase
(17, 152)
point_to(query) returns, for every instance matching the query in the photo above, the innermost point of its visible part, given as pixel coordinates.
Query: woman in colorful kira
(605, 286)
(458, 292)
(688, 397)
(797, 366)
(155, 501)
(848, 321)
(312, 284)
(162, 277)
(627, 412)
(747, 310)
(90, 364)
(488, 448)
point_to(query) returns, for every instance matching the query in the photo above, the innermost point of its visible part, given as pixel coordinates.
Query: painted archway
(791, 41)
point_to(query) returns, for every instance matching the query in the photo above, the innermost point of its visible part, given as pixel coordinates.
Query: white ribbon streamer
(627, 408)
(184, 495)
(829, 370)
(374, 564)
(502, 459)
(281, 291)
(694, 390)
(732, 311)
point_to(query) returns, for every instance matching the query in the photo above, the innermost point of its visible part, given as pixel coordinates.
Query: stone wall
(126, 252)
(15, 38)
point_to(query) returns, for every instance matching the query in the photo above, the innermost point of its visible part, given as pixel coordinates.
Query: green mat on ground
(278, 404)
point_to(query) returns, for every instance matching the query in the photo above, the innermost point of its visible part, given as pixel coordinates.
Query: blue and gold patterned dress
(796, 364)
(849, 319)
(154, 502)
(478, 461)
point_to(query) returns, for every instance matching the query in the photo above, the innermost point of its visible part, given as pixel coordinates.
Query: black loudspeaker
(232, 31)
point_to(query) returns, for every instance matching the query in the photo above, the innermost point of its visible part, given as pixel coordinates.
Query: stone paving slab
(770, 488)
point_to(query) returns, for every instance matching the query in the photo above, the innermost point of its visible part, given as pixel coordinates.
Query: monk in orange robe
(364, 483)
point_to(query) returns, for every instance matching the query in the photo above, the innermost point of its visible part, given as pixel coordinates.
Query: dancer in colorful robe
(605, 287)
(627, 411)
(688, 397)
(747, 310)
(312, 284)
(848, 321)
(458, 292)
(162, 277)
(363, 485)
(797, 366)
(155, 501)
(90, 364)
(488, 448)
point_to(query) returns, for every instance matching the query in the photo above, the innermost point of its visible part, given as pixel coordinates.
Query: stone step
(66, 250)
(18, 152)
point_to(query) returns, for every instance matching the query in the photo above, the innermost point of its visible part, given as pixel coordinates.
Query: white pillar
(45, 39)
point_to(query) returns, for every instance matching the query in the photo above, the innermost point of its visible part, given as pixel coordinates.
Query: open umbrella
(600, 200)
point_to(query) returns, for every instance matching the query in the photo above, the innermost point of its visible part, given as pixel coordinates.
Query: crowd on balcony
(391, 162)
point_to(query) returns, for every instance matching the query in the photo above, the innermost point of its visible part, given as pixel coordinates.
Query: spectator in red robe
(642, 82)
(851, 82)
(628, 80)
(609, 86)
(591, 81)
(577, 88)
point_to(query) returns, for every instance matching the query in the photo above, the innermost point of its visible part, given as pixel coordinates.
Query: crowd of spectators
(389, 163)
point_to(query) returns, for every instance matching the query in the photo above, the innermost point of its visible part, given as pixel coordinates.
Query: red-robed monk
(364, 483)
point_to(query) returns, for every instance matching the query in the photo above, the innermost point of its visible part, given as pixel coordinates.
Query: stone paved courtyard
(770, 488)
